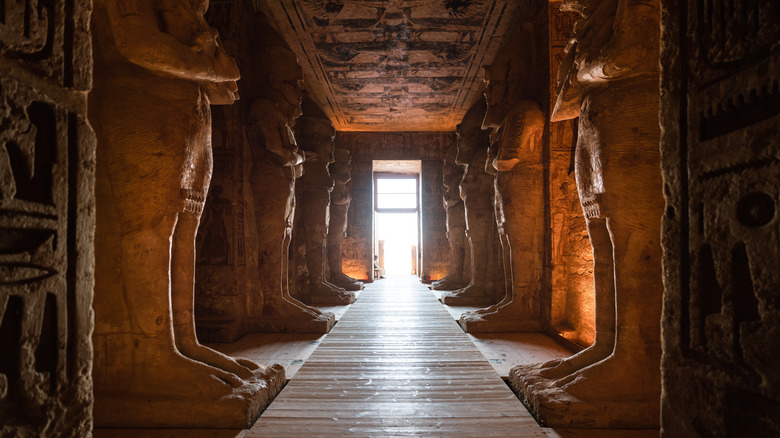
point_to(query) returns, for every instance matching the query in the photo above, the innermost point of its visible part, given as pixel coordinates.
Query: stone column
(720, 155)
(477, 192)
(159, 69)
(340, 199)
(517, 126)
(609, 79)
(276, 163)
(47, 207)
(315, 133)
(459, 275)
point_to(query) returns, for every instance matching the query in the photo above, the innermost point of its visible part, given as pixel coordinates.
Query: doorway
(397, 216)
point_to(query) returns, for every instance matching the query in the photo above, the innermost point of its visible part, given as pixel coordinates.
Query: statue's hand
(225, 68)
(222, 93)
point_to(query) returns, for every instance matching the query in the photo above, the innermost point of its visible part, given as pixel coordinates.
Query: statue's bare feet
(611, 378)
(293, 309)
(243, 368)
(166, 373)
(559, 368)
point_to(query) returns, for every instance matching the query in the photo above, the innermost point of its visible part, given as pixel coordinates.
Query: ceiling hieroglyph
(392, 65)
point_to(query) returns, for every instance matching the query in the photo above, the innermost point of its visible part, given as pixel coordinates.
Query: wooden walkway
(396, 364)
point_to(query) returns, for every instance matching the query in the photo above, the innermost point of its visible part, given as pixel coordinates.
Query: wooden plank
(396, 364)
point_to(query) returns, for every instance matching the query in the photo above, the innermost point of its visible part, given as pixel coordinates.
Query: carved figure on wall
(158, 68)
(316, 135)
(609, 80)
(340, 199)
(276, 163)
(459, 275)
(477, 192)
(215, 246)
(517, 125)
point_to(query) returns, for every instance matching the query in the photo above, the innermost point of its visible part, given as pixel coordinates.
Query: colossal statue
(452, 174)
(517, 125)
(158, 67)
(340, 199)
(476, 188)
(316, 135)
(276, 162)
(609, 79)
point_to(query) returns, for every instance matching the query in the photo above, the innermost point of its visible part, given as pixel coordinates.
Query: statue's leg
(145, 359)
(632, 368)
(182, 295)
(603, 277)
(270, 184)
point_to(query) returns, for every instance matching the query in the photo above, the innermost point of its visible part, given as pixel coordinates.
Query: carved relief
(46, 175)
(721, 168)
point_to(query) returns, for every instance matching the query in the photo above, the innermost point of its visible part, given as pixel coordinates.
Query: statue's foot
(559, 368)
(347, 283)
(613, 379)
(323, 293)
(471, 295)
(448, 283)
(243, 368)
(333, 286)
(146, 382)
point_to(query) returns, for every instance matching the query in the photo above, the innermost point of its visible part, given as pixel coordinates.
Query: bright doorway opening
(397, 216)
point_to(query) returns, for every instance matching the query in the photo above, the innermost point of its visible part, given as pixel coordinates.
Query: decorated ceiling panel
(392, 65)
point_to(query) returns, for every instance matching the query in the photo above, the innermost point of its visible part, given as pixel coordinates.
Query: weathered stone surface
(720, 153)
(315, 135)
(460, 272)
(486, 285)
(158, 69)
(609, 80)
(517, 154)
(47, 163)
(340, 200)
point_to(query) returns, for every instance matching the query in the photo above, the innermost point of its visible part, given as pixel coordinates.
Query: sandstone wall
(47, 162)
(721, 163)
(226, 280)
(429, 147)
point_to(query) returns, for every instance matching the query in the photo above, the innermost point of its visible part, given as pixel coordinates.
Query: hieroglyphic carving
(46, 218)
(720, 115)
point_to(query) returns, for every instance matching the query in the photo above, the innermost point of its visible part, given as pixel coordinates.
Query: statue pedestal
(140, 408)
(506, 318)
(289, 324)
(554, 407)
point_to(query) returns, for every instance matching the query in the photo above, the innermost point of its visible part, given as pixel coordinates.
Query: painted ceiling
(392, 65)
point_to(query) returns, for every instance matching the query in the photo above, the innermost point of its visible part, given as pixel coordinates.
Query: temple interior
(246, 218)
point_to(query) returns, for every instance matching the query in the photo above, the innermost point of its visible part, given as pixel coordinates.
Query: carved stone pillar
(486, 284)
(158, 69)
(610, 80)
(315, 134)
(276, 163)
(459, 275)
(47, 162)
(517, 155)
(340, 200)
